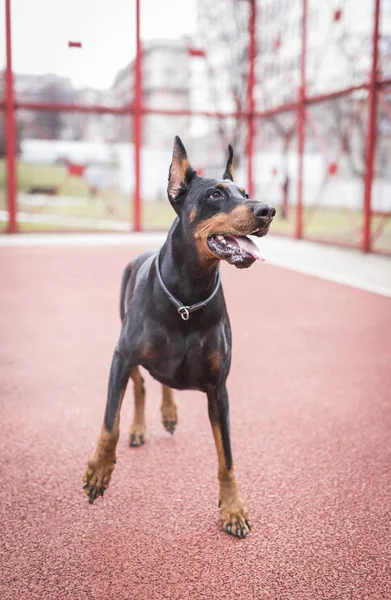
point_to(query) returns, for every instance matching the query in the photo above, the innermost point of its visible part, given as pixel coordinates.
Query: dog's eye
(215, 194)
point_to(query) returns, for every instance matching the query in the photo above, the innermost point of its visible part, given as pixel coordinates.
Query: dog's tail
(124, 285)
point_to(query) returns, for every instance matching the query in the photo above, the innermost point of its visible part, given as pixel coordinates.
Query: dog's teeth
(220, 237)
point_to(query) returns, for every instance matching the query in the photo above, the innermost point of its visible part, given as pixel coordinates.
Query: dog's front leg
(101, 464)
(233, 509)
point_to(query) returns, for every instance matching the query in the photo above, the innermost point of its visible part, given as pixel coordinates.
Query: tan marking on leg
(214, 360)
(233, 509)
(169, 410)
(192, 215)
(148, 351)
(137, 428)
(101, 464)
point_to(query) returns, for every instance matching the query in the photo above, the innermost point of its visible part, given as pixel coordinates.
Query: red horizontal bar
(122, 110)
(64, 107)
(126, 110)
(74, 44)
(336, 94)
(188, 113)
(291, 106)
(276, 110)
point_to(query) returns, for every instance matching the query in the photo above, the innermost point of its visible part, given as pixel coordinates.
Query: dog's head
(217, 214)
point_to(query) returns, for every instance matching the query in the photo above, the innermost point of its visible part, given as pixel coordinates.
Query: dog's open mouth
(238, 250)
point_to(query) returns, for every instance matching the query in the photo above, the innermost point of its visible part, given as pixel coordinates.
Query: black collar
(183, 310)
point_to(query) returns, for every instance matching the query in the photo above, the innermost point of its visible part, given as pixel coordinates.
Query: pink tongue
(248, 246)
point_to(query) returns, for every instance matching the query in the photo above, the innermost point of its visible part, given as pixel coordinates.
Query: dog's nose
(264, 210)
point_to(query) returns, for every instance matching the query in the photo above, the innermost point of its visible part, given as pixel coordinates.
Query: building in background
(166, 84)
(44, 88)
(338, 55)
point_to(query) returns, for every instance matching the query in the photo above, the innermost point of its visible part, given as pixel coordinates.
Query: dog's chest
(186, 361)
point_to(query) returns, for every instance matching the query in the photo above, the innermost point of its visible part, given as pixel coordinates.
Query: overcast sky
(106, 28)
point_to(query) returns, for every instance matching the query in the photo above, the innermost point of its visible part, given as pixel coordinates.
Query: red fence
(341, 134)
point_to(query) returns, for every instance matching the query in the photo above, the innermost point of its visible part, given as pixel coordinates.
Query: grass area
(112, 207)
(333, 224)
(44, 174)
(108, 204)
(322, 222)
(41, 228)
(100, 207)
(158, 215)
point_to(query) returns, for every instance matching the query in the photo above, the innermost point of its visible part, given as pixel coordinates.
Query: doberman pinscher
(175, 322)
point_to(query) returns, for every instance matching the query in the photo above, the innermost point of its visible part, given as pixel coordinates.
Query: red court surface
(310, 392)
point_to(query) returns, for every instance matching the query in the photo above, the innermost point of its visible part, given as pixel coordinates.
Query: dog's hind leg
(169, 410)
(233, 509)
(137, 428)
(101, 464)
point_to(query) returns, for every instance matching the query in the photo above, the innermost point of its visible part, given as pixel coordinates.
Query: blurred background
(92, 94)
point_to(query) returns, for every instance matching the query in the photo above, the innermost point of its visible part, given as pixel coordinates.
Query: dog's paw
(137, 435)
(169, 417)
(97, 476)
(235, 518)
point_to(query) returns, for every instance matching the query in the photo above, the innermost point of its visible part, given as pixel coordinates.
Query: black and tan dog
(175, 323)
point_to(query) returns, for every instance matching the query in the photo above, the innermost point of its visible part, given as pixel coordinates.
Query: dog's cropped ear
(180, 172)
(229, 172)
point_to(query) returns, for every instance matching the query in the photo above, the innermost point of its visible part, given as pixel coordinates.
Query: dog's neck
(181, 270)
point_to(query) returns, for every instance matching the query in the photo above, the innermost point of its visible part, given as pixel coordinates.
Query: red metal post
(371, 134)
(10, 133)
(301, 124)
(250, 98)
(137, 129)
(74, 107)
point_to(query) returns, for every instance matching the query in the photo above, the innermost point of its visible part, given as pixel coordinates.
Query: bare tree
(224, 33)
(50, 124)
(3, 140)
(223, 30)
